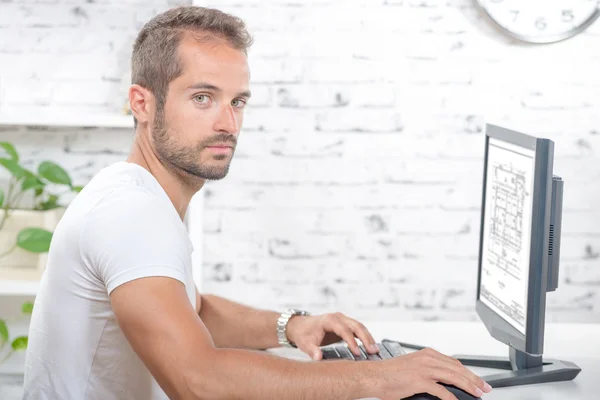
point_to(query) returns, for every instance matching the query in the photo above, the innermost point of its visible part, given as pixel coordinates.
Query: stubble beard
(186, 158)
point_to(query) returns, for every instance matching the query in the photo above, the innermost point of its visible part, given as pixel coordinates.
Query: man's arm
(235, 325)
(163, 328)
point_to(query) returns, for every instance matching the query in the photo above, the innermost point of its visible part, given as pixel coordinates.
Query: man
(118, 316)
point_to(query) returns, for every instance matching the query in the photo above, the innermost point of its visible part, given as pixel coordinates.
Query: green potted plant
(25, 234)
(11, 373)
(17, 344)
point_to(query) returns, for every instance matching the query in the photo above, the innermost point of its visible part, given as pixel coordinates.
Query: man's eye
(238, 103)
(201, 98)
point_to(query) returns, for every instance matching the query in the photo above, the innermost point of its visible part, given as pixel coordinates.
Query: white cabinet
(11, 387)
(56, 119)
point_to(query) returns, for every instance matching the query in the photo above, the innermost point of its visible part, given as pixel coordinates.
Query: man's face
(197, 131)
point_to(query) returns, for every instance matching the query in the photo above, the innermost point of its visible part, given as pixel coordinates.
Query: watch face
(541, 21)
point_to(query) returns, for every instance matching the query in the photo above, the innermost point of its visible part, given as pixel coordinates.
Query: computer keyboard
(387, 349)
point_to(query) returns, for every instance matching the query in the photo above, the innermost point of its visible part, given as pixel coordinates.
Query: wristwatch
(282, 323)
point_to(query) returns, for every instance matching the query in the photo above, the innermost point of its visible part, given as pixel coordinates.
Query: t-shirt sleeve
(132, 234)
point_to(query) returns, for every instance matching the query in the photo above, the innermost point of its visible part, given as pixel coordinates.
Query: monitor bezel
(532, 341)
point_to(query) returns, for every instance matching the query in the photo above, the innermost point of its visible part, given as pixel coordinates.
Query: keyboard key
(363, 354)
(369, 356)
(345, 353)
(383, 353)
(394, 348)
(330, 353)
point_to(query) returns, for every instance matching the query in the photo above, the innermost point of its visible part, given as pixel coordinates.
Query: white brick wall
(357, 181)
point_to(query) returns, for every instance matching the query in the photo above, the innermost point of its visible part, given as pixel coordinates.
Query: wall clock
(540, 21)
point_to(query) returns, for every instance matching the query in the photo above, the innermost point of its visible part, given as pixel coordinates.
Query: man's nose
(227, 120)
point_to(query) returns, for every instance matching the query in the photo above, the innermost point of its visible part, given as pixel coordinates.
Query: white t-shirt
(121, 227)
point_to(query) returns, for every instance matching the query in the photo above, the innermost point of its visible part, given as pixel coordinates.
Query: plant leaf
(1, 197)
(38, 192)
(20, 343)
(10, 149)
(35, 240)
(3, 332)
(13, 167)
(31, 181)
(77, 189)
(27, 307)
(54, 173)
(51, 203)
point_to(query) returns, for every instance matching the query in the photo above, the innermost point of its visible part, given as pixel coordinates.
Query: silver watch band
(282, 323)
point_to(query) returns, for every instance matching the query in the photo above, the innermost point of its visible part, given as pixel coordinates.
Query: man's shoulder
(121, 174)
(116, 210)
(120, 187)
(127, 209)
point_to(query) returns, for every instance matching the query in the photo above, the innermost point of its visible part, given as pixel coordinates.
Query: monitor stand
(525, 369)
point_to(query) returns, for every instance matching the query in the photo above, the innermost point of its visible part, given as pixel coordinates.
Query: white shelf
(35, 118)
(9, 287)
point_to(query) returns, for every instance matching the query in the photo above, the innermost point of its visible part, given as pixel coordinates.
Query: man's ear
(141, 102)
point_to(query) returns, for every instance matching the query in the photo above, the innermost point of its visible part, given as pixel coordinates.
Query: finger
(439, 391)
(314, 352)
(471, 376)
(453, 377)
(343, 331)
(311, 347)
(457, 366)
(361, 332)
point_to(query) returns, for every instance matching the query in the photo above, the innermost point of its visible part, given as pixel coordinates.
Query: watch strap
(282, 323)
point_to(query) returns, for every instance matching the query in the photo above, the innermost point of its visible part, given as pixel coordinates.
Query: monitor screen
(506, 241)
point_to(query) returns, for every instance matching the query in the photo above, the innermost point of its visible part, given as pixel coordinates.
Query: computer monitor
(519, 251)
(515, 237)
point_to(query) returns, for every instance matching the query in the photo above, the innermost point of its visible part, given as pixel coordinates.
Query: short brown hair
(155, 63)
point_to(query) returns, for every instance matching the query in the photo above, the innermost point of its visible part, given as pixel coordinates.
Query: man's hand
(311, 332)
(422, 372)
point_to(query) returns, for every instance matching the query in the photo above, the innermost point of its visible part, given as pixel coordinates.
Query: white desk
(578, 343)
